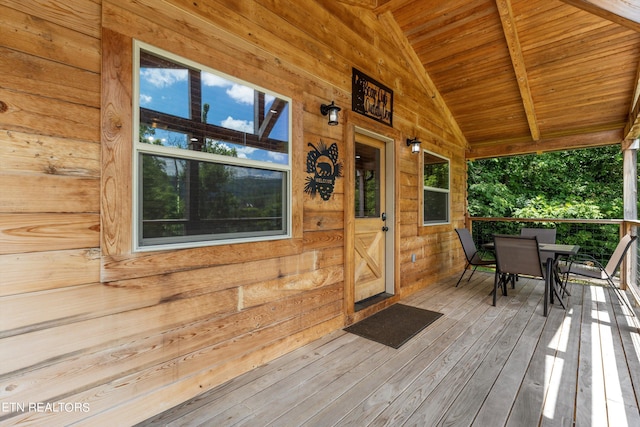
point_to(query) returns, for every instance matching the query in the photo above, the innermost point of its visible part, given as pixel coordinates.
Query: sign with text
(371, 98)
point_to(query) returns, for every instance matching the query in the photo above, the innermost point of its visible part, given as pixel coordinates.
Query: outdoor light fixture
(415, 145)
(332, 110)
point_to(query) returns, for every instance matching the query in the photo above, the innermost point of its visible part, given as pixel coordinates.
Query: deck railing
(596, 237)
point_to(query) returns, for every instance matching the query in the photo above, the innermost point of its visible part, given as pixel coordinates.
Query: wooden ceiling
(528, 75)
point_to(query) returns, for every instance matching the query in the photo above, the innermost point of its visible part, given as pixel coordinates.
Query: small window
(435, 189)
(212, 156)
(367, 182)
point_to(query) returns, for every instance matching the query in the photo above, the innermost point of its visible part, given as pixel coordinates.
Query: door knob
(385, 228)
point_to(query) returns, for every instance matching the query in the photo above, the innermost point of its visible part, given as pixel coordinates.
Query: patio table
(553, 269)
(556, 283)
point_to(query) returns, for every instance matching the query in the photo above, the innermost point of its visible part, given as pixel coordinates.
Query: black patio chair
(519, 255)
(587, 266)
(544, 235)
(474, 257)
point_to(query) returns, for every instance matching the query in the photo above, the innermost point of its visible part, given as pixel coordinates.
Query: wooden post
(630, 197)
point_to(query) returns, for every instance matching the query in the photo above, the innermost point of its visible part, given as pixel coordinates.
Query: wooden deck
(477, 365)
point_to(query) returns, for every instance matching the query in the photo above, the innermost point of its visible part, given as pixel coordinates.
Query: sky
(231, 106)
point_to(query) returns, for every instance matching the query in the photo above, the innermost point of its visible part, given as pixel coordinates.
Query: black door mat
(394, 325)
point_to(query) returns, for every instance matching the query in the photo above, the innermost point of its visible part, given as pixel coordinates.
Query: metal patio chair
(544, 235)
(519, 255)
(474, 257)
(587, 266)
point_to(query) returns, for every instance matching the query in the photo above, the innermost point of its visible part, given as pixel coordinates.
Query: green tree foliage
(569, 184)
(367, 195)
(577, 184)
(212, 196)
(160, 192)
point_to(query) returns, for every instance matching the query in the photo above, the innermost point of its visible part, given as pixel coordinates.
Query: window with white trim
(436, 195)
(212, 159)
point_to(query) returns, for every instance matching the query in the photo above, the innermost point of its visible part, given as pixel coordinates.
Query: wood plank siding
(121, 334)
(84, 319)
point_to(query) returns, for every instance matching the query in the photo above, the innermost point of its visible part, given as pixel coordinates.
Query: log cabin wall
(84, 319)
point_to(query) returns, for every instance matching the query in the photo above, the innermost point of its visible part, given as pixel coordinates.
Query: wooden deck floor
(477, 365)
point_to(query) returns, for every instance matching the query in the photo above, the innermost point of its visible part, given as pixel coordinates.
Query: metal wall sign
(324, 166)
(371, 98)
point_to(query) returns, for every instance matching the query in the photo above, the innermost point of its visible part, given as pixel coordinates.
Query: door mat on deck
(394, 325)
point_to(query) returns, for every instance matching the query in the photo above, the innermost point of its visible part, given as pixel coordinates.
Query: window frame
(140, 148)
(425, 188)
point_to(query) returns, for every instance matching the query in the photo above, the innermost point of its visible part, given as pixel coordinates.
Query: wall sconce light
(332, 110)
(415, 145)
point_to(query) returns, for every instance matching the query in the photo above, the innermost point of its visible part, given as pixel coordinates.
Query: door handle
(384, 216)
(385, 228)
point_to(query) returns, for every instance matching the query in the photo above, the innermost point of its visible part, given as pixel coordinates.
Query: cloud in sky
(237, 124)
(277, 157)
(145, 99)
(241, 94)
(163, 77)
(209, 79)
(166, 77)
(245, 152)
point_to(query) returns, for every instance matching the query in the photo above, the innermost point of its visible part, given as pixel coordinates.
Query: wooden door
(370, 218)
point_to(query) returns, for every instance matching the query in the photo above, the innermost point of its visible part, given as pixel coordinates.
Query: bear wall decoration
(322, 162)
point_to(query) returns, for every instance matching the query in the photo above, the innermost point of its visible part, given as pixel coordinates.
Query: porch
(477, 365)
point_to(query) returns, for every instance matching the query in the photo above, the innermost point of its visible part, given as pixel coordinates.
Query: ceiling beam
(517, 59)
(632, 130)
(569, 142)
(271, 118)
(622, 12)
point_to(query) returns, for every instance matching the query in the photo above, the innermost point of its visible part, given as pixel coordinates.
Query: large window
(212, 156)
(435, 189)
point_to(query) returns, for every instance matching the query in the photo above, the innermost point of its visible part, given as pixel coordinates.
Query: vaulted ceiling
(528, 75)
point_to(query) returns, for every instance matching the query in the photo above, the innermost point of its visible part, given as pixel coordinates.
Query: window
(436, 189)
(211, 159)
(367, 182)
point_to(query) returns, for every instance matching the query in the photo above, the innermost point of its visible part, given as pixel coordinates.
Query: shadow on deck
(477, 365)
